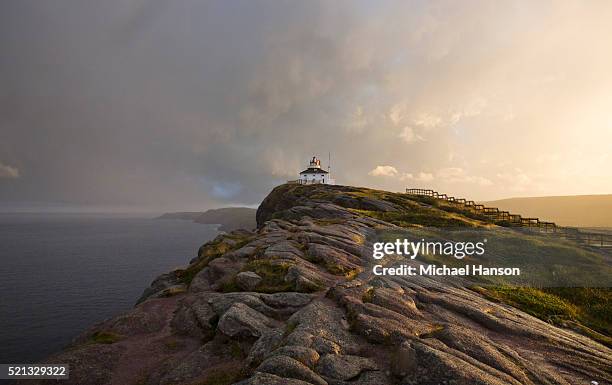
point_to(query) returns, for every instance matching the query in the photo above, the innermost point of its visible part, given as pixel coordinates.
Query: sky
(189, 104)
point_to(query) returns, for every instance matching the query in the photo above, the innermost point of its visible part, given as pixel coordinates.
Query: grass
(435, 329)
(210, 251)
(329, 221)
(411, 209)
(346, 272)
(236, 350)
(272, 275)
(323, 195)
(172, 344)
(223, 376)
(593, 304)
(586, 310)
(533, 301)
(105, 337)
(544, 261)
(352, 274)
(421, 217)
(172, 291)
(411, 212)
(368, 295)
(143, 379)
(449, 207)
(230, 286)
(291, 326)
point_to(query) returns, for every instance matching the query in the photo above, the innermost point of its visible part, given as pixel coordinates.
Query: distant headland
(229, 218)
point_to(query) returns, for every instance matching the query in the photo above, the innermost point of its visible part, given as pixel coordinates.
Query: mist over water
(61, 273)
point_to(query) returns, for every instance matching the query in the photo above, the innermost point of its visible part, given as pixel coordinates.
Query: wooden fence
(514, 220)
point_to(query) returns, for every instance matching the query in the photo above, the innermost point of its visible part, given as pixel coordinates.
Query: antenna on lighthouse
(329, 164)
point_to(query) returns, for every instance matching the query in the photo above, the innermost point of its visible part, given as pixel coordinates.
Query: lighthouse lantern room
(314, 174)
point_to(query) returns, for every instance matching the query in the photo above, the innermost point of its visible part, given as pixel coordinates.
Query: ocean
(61, 273)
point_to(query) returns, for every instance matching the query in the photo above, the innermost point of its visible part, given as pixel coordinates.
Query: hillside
(295, 302)
(229, 218)
(578, 211)
(182, 215)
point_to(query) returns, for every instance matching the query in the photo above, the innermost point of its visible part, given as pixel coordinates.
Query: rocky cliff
(294, 303)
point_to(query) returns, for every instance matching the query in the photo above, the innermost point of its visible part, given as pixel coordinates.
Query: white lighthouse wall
(315, 178)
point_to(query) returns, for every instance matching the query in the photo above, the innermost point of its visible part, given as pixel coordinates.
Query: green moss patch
(105, 337)
(593, 305)
(533, 301)
(272, 275)
(224, 376)
(345, 271)
(172, 344)
(586, 310)
(230, 286)
(433, 331)
(236, 350)
(172, 291)
(291, 326)
(329, 221)
(209, 251)
(421, 217)
(368, 295)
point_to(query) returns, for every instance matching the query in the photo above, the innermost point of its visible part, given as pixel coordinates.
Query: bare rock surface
(247, 280)
(269, 379)
(288, 367)
(344, 367)
(295, 303)
(242, 321)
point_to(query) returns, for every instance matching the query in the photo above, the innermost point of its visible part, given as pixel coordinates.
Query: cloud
(451, 172)
(420, 177)
(397, 113)
(390, 171)
(409, 136)
(357, 120)
(412, 124)
(428, 121)
(7, 171)
(225, 190)
(472, 108)
(144, 104)
(443, 175)
(443, 178)
(517, 180)
(459, 175)
(383, 171)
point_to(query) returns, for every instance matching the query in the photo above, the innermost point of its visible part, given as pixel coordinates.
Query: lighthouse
(315, 174)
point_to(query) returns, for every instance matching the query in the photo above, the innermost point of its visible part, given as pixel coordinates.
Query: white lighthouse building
(314, 174)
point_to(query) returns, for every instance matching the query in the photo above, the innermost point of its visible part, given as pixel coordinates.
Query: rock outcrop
(295, 303)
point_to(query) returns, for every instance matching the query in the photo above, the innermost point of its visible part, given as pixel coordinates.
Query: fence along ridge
(494, 214)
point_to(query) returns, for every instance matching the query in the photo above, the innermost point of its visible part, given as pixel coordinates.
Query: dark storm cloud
(159, 102)
(197, 103)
